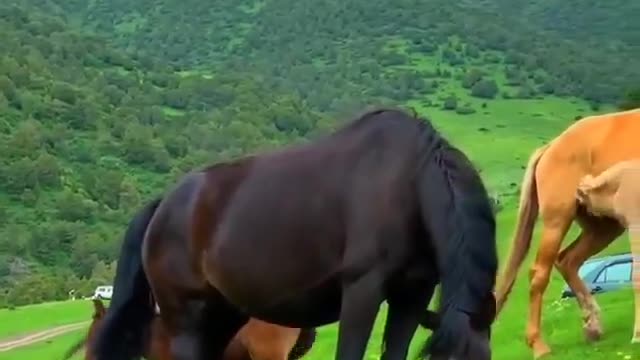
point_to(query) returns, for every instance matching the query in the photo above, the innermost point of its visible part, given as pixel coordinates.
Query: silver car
(604, 274)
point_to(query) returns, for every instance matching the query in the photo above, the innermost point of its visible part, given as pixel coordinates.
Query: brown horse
(382, 209)
(615, 193)
(589, 146)
(257, 340)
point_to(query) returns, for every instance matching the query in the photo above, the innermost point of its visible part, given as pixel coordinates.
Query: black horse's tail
(458, 217)
(121, 336)
(303, 344)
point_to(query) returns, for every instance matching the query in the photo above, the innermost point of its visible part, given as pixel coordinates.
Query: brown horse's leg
(236, 350)
(267, 341)
(200, 329)
(596, 235)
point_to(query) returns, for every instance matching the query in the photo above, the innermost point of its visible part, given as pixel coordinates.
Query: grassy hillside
(90, 130)
(93, 124)
(104, 103)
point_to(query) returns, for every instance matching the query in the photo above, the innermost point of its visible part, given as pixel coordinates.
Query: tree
(9, 90)
(631, 100)
(82, 115)
(27, 140)
(47, 170)
(485, 89)
(450, 103)
(470, 78)
(71, 206)
(64, 92)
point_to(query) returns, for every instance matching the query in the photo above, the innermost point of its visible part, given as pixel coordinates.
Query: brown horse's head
(98, 314)
(98, 310)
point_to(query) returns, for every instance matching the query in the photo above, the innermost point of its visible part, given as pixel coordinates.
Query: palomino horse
(382, 209)
(257, 340)
(589, 146)
(615, 193)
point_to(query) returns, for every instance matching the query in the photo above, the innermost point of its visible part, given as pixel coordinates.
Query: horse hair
(467, 267)
(123, 330)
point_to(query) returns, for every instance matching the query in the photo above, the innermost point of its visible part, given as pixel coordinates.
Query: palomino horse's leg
(361, 301)
(402, 321)
(634, 237)
(556, 192)
(596, 235)
(553, 231)
(626, 205)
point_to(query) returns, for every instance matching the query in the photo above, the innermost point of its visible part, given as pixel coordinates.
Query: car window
(615, 273)
(587, 267)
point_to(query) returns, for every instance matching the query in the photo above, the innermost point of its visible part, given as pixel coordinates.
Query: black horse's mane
(470, 207)
(372, 115)
(469, 264)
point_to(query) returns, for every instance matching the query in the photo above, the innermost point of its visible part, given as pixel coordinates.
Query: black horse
(384, 208)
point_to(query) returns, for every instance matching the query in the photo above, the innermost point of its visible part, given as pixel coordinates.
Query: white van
(103, 292)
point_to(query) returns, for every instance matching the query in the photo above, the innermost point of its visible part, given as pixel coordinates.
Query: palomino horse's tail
(527, 214)
(122, 333)
(303, 344)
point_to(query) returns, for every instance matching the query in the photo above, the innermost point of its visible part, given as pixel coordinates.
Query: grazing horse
(615, 193)
(384, 208)
(589, 146)
(257, 340)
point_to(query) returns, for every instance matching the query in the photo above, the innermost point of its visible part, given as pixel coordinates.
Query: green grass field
(562, 324)
(48, 349)
(28, 319)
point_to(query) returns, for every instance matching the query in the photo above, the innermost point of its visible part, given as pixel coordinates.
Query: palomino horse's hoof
(540, 350)
(592, 334)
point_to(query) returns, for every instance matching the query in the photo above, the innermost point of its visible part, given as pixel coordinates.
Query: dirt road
(14, 343)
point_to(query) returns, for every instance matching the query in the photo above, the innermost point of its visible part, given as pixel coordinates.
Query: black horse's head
(476, 345)
(480, 323)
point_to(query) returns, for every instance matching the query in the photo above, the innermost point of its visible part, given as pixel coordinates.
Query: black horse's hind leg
(404, 313)
(360, 304)
(202, 329)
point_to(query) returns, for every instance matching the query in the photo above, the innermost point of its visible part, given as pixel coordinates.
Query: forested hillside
(87, 133)
(332, 50)
(600, 23)
(103, 103)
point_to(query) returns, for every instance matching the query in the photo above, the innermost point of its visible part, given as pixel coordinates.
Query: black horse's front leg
(361, 301)
(401, 324)
(406, 310)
